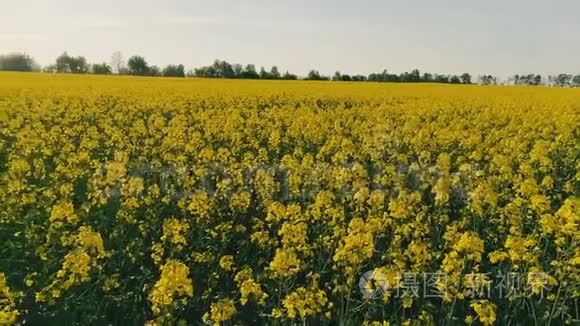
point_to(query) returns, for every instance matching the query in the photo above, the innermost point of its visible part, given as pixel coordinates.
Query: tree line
(223, 69)
(138, 66)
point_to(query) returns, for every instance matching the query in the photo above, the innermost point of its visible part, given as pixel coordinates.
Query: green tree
(205, 72)
(138, 66)
(487, 80)
(101, 69)
(454, 80)
(465, 78)
(563, 80)
(264, 74)
(274, 72)
(153, 71)
(238, 70)
(289, 76)
(17, 62)
(174, 71)
(223, 69)
(427, 77)
(69, 64)
(315, 75)
(415, 76)
(250, 72)
(441, 78)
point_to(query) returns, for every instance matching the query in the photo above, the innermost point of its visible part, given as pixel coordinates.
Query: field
(129, 200)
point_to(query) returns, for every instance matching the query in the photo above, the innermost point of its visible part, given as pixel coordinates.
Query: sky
(499, 37)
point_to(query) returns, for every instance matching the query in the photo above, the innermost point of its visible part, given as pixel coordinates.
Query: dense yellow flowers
(357, 247)
(8, 312)
(249, 288)
(173, 283)
(183, 201)
(86, 254)
(63, 212)
(305, 302)
(174, 232)
(485, 311)
(285, 263)
(221, 311)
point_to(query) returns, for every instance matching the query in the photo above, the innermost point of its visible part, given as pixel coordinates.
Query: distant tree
(527, 79)
(205, 72)
(138, 66)
(576, 80)
(374, 77)
(18, 62)
(223, 69)
(404, 77)
(531, 80)
(117, 62)
(289, 76)
(174, 71)
(440, 78)
(63, 63)
(465, 78)
(537, 80)
(454, 80)
(70, 64)
(427, 77)
(487, 80)
(153, 71)
(250, 72)
(315, 75)
(79, 65)
(264, 74)
(275, 73)
(563, 80)
(384, 76)
(341, 77)
(415, 76)
(238, 70)
(101, 69)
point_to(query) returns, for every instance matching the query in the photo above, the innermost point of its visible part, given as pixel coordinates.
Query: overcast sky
(362, 36)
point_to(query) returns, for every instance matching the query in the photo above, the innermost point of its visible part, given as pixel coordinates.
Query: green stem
(553, 310)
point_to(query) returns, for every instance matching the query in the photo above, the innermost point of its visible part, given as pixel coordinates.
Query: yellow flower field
(129, 200)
